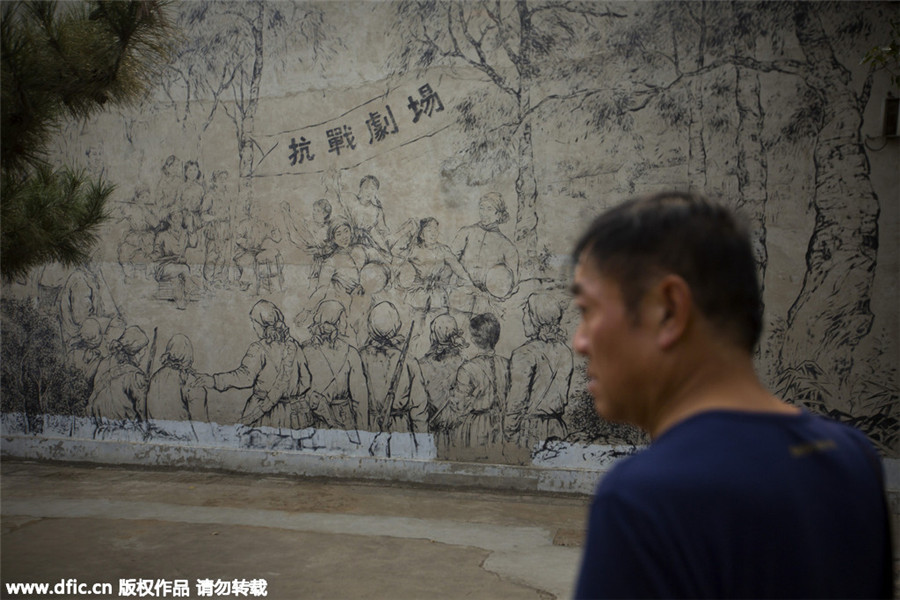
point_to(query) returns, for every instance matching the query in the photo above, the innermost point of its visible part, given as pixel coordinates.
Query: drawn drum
(406, 276)
(499, 281)
(373, 278)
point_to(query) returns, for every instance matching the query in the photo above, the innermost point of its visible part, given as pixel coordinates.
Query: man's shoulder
(648, 470)
(725, 446)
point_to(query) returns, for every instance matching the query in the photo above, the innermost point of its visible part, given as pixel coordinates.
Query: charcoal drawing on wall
(345, 227)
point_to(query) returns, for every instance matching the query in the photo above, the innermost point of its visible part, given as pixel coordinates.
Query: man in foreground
(739, 494)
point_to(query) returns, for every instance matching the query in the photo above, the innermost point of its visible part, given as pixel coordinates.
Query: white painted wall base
(433, 472)
(559, 468)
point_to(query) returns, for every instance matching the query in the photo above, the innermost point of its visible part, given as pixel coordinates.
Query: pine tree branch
(59, 60)
(49, 216)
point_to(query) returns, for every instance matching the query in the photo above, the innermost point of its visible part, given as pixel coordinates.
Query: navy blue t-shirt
(731, 504)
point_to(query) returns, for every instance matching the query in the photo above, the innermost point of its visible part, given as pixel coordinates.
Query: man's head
(492, 209)
(485, 330)
(321, 211)
(542, 312)
(329, 321)
(640, 240)
(664, 284)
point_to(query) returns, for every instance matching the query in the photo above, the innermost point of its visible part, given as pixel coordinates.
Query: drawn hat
(266, 313)
(180, 350)
(384, 320)
(133, 339)
(544, 309)
(444, 329)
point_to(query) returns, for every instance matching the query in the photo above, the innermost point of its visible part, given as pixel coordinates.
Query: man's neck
(723, 380)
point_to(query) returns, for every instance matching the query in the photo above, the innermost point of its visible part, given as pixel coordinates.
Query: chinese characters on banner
(362, 131)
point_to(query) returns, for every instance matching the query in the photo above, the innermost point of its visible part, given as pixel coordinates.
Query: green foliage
(49, 216)
(887, 57)
(65, 60)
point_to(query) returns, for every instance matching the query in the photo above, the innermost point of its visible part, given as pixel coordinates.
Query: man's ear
(672, 309)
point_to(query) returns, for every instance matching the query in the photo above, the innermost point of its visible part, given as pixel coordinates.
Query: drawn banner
(386, 122)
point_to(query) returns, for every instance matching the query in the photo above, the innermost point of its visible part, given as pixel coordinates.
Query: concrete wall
(318, 192)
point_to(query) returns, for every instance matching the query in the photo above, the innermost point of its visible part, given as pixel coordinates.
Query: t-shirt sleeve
(618, 559)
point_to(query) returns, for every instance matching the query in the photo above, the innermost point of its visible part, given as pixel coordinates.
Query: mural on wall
(344, 227)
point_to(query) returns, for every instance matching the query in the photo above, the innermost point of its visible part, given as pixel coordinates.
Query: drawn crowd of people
(460, 390)
(358, 363)
(191, 234)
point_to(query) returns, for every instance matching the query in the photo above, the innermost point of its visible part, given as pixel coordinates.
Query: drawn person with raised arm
(426, 268)
(274, 367)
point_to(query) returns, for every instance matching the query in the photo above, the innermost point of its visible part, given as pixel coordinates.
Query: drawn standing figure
(339, 276)
(389, 375)
(217, 231)
(120, 386)
(366, 214)
(169, 189)
(481, 386)
(313, 238)
(193, 206)
(426, 269)
(275, 367)
(177, 392)
(370, 232)
(437, 374)
(193, 189)
(541, 375)
(86, 351)
(338, 396)
(488, 256)
(85, 295)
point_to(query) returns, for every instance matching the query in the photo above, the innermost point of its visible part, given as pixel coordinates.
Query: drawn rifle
(443, 406)
(330, 417)
(395, 380)
(152, 353)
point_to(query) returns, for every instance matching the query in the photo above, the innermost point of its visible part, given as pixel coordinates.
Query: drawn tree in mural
(692, 66)
(220, 69)
(709, 81)
(35, 379)
(715, 91)
(824, 327)
(516, 46)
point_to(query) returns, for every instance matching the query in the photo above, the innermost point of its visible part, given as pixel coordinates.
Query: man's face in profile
(616, 343)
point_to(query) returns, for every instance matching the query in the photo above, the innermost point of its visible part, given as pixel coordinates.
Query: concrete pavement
(233, 535)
